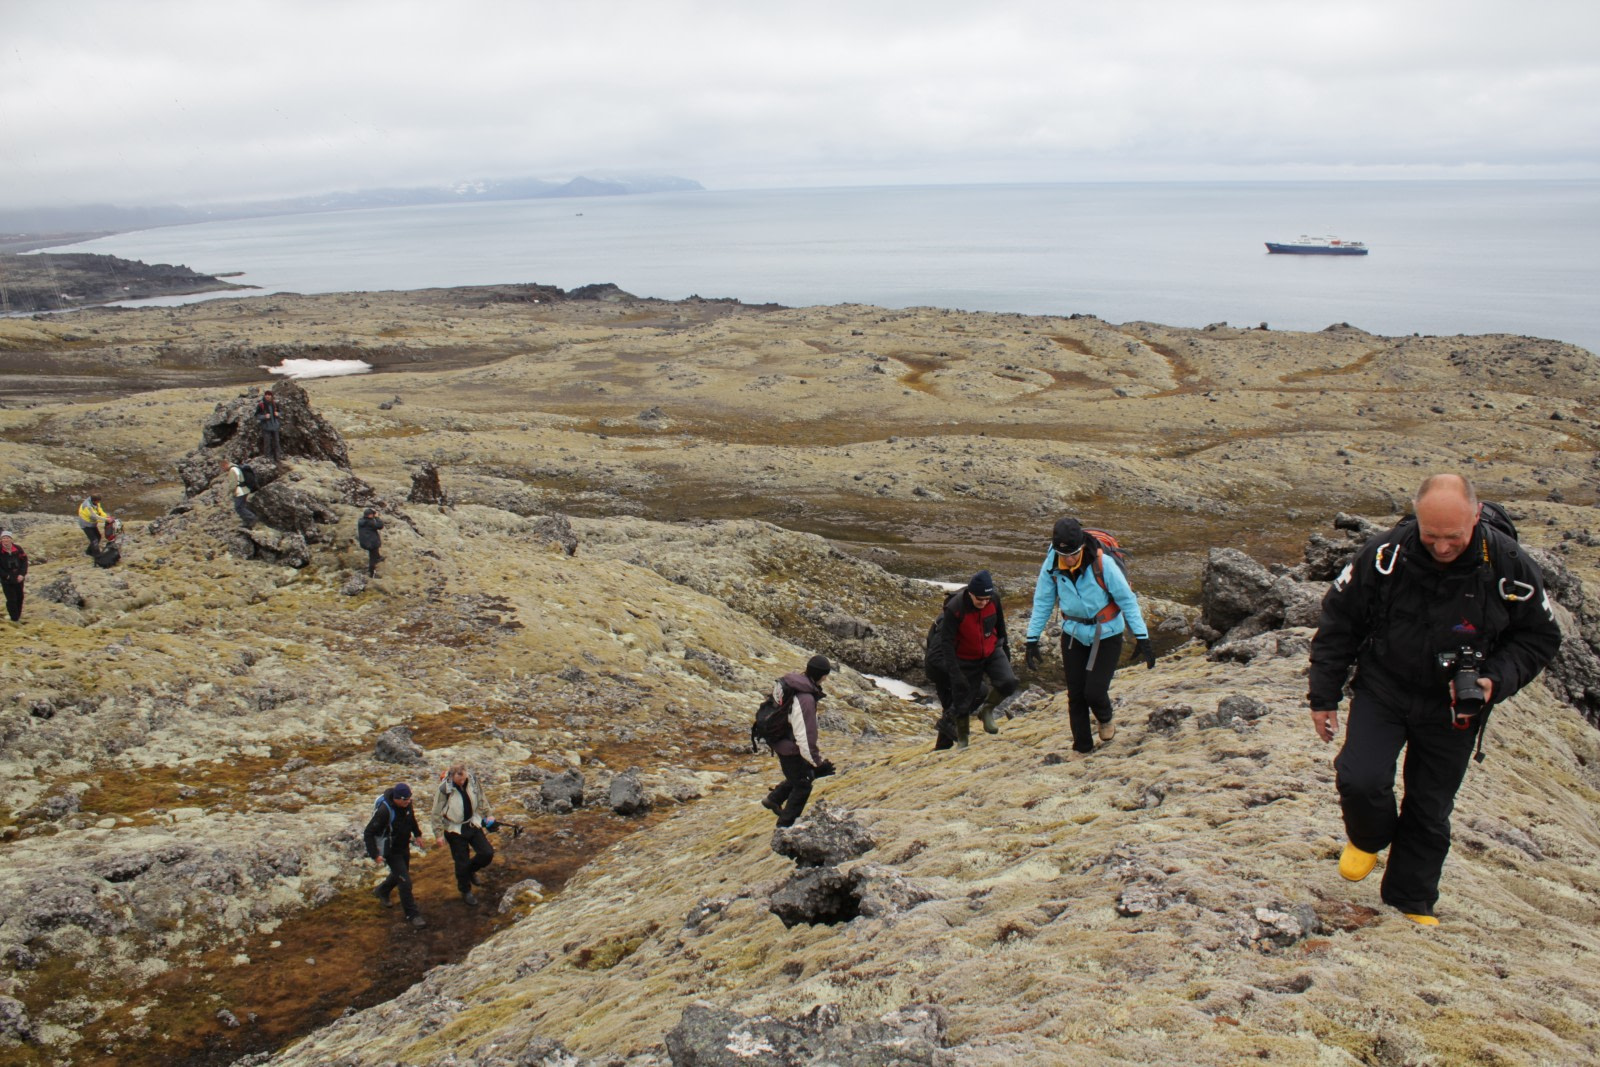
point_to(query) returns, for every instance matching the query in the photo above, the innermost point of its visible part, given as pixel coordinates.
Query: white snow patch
(319, 368)
(903, 690)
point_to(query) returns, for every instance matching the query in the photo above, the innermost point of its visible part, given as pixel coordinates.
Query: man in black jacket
(270, 420)
(1416, 606)
(368, 537)
(388, 839)
(967, 653)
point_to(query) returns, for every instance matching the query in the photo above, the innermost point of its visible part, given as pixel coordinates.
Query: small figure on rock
(388, 839)
(270, 421)
(967, 652)
(367, 537)
(243, 478)
(460, 817)
(1442, 618)
(802, 762)
(13, 573)
(1082, 579)
(90, 517)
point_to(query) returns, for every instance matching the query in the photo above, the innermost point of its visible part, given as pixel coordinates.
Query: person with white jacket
(460, 815)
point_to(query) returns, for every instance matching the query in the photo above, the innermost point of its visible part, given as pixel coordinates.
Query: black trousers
(241, 509)
(472, 853)
(1088, 690)
(93, 534)
(399, 861)
(13, 599)
(1417, 831)
(790, 795)
(372, 561)
(978, 676)
(271, 446)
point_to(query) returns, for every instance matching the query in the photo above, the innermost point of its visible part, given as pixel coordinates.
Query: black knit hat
(981, 585)
(400, 791)
(1068, 536)
(818, 668)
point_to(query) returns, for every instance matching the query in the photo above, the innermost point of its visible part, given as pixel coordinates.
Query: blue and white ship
(1318, 246)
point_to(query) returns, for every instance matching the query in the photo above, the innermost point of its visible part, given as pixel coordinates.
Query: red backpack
(1107, 543)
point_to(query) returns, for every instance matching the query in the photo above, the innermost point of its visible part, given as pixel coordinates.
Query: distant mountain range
(106, 217)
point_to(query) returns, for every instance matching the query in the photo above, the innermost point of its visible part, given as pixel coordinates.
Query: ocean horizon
(1462, 257)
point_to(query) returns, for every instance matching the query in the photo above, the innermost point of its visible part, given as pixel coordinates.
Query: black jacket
(1392, 627)
(940, 657)
(267, 414)
(14, 564)
(367, 532)
(383, 837)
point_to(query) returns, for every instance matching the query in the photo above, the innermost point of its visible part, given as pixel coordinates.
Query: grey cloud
(198, 101)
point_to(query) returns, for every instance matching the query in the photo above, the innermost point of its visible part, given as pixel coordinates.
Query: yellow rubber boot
(1423, 920)
(1355, 864)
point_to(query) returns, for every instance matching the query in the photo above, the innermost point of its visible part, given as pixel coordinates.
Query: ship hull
(1315, 250)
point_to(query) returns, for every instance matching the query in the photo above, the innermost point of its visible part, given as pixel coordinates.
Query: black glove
(824, 769)
(1142, 650)
(1033, 656)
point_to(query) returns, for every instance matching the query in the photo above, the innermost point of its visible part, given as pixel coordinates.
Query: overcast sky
(191, 102)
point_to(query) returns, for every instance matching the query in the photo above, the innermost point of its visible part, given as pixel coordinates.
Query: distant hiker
(241, 489)
(367, 537)
(967, 652)
(90, 516)
(798, 753)
(13, 573)
(459, 818)
(270, 420)
(1442, 617)
(1085, 583)
(388, 839)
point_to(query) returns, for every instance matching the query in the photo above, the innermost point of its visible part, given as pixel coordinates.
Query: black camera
(1462, 668)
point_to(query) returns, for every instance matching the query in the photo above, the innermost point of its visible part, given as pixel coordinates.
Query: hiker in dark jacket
(969, 652)
(270, 420)
(1096, 606)
(388, 839)
(13, 573)
(798, 754)
(367, 537)
(1415, 605)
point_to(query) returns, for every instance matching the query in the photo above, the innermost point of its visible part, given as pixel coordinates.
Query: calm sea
(1447, 257)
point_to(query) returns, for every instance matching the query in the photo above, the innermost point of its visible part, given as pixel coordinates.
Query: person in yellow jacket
(90, 517)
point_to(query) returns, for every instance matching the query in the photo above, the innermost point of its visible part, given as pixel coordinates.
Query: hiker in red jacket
(13, 573)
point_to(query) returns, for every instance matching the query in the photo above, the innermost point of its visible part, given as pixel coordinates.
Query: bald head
(1447, 512)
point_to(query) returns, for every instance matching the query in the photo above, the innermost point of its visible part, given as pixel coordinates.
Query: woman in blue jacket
(1096, 605)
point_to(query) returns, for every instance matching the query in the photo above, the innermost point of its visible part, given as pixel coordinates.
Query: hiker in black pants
(1435, 594)
(367, 537)
(967, 652)
(459, 818)
(91, 516)
(13, 573)
(388, 839)
(1087, 586)
(801, 760)
(239, 490)
(270, 420)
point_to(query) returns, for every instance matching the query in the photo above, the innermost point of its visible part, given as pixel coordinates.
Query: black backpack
(109, 556)
(248, 475)
(771, 723)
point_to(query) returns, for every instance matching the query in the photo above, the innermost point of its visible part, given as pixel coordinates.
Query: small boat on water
(1318, 246)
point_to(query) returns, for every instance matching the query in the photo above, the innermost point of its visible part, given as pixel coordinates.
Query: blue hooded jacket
(1057, 593)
